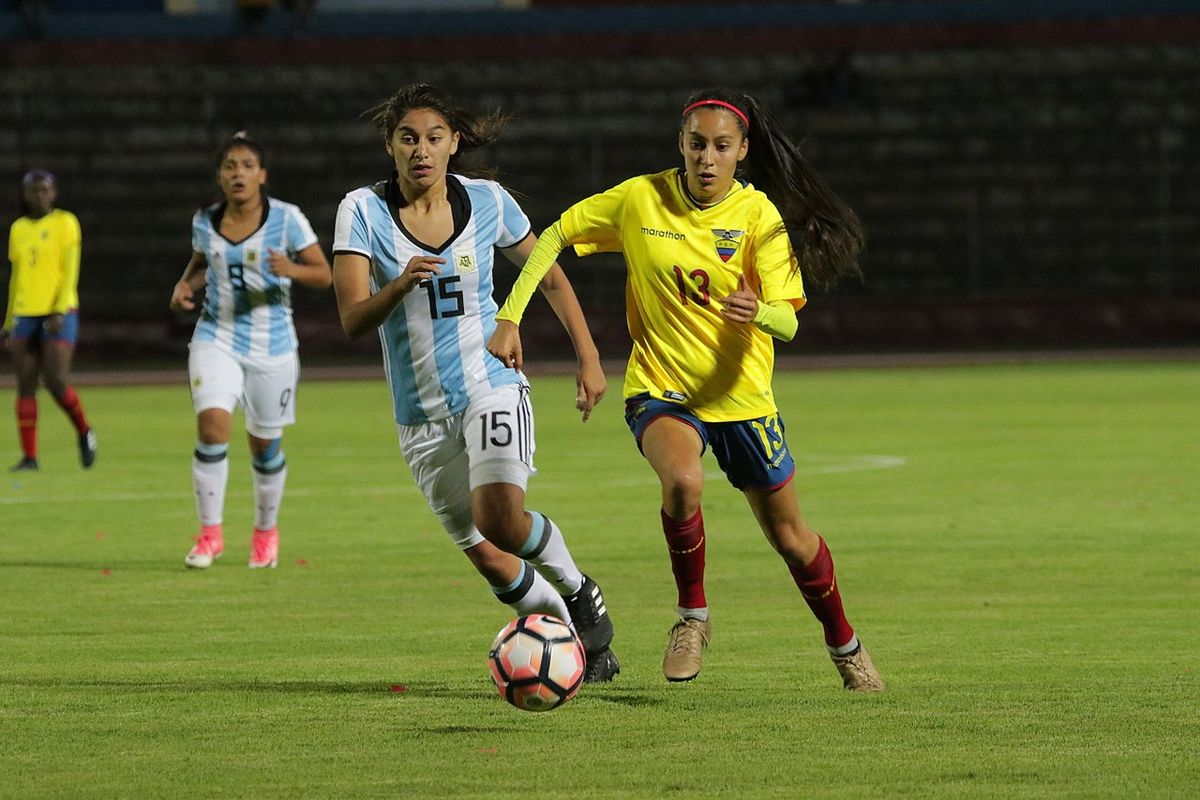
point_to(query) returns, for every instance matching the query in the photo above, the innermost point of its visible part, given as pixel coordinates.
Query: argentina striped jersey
(434, 341)
(247, 310)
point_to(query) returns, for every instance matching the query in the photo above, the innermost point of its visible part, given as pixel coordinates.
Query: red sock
(27, 425)
(818, 585)
(70, 404)
(685, 543)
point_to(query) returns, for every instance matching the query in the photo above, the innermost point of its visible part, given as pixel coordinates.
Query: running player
(43, 312)
(413, 258)
(247, 250)
(713, 275)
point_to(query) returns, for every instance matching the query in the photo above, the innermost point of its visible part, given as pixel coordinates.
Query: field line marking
(806, 465)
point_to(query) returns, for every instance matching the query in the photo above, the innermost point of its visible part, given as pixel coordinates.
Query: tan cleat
(685, 649)
(858, 672)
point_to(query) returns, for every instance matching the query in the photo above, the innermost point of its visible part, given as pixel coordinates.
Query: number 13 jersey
(681, 259)
(434, 351)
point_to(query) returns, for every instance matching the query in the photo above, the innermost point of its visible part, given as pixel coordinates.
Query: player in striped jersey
(715, 270)
(413, 258)
(43, 316)
(247, 250)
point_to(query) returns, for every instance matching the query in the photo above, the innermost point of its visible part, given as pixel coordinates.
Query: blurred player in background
(43, 312)
(413, 258)
(246, 252)
(715, 270)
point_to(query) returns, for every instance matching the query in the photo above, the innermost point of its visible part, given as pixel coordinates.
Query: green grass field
(1018, 545)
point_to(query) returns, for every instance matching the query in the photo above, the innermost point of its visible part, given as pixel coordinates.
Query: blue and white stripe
(247, 310)
(436, 364)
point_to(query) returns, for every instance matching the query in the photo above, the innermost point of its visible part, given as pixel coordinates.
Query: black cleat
(590, 617)
(87, 448)
(603, 668)
(26, 464)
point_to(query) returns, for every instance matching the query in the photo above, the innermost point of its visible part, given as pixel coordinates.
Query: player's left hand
(281, 266)
(53, 324)
(505, 344)
(590, 386)
(742, 305)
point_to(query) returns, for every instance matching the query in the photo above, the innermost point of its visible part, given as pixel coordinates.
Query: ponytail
(825, 233)
(473, 131)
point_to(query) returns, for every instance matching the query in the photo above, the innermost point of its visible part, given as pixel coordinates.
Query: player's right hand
(182, 299)
(419, 268)
(505, 344)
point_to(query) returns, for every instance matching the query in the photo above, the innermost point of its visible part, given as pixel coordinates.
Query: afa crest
(727, 242)
(464, 262)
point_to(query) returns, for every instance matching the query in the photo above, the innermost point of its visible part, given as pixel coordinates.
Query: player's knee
(794, 541)
(267, 457)
(506, 531)
(212, 433)
(682, 493)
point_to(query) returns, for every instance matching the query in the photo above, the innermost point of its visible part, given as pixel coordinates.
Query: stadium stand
(1024, 170)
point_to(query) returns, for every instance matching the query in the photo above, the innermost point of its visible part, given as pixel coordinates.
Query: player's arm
(361, 311)
(777, 318)
(67, 287)
(590, 382)
(310, 268)
(505, 343)
(9, 321)
(12, 295)
(183, 297)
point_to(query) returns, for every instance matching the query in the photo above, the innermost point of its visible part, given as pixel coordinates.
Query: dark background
(1027, 173)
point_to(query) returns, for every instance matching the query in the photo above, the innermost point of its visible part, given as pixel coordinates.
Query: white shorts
(490, 442)
(264, 387)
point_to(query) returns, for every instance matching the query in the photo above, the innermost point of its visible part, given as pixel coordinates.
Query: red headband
(722, 104)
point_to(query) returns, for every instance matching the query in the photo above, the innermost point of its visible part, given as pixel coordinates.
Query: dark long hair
(473, 131)
(242, 139)
(825, 233)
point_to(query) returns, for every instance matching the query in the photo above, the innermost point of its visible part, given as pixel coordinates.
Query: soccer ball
(537, 662)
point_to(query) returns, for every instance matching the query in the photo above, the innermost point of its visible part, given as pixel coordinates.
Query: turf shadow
(145, 565)
(278, 687)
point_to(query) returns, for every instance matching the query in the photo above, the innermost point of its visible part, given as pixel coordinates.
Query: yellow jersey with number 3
(44, 254)
(681, 260)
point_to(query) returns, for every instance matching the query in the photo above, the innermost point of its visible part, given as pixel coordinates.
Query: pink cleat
(209, 546)
(264, 549)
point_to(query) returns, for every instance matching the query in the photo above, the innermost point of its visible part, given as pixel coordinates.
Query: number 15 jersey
(434, 341)
(681, 259)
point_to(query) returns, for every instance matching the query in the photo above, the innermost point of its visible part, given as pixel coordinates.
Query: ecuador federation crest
(727, 242)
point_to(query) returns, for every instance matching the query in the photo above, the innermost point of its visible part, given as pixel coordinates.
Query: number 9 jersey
(682, 259)
(434, 351)
(248, 309)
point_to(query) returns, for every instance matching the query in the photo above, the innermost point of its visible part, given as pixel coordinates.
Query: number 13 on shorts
(770, 433)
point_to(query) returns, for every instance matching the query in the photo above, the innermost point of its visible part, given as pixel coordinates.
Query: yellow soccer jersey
(44, 254)
(681, 259)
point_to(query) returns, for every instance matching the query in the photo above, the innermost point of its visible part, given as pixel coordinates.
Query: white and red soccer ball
(537, 662)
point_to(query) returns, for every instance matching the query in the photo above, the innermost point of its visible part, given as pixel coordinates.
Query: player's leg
(23, 344)
(499, 434)
(216, 383)
(57, 352)
(269, 474)
(436, 456)
(515, 583)
(811, 565)
(756, 459)
(270, 406)
(673, 441)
